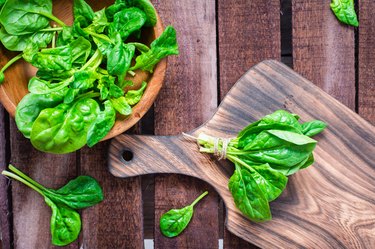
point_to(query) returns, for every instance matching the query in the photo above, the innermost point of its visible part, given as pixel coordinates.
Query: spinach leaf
(65, 36)
(99, 23)
(80, 50)
(26, 17)
(345, 11)
(313, 128)
(119, 58)
(63, 129)
(126, 22)
(248, 196)
(83, 12)
(65, 224)
(30, 107)
(82, 192)
(134, 96)
(40, 86)
(102, 125)
(174, 222)
(102, 43)
(20, 42)
(163, 46)
(83, 80)
(145, 6)
(59, 58)
(122, 106)
(71, 95)
(58, 75)
(140, 46)
(271, 182)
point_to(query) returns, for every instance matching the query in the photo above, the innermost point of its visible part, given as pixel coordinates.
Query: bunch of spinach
(345, 11)
(264, 154)
(80, 87)
(174, 222)
(82, 192)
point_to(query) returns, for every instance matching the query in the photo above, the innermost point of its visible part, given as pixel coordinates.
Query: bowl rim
(139, 110)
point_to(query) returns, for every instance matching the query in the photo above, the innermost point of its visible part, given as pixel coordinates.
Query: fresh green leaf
(63, 129)
(146, 7)
(174, 222)
(40, 86)
(30, 107)
(25, 17)
(126, 22)
(81, 192)
(248, 196)
(271, 182)
(119, 58)
(65, 224)
(122, 106)
(65, 36)
(99, 22)
(345, 11)
(71, 95)
(134, 96)
(20, 42)
(59, 58)
(140, 46)
(313, 128)
(80, 50)
(83, 12)
(163, 46)
(83, 80)
(102, 125)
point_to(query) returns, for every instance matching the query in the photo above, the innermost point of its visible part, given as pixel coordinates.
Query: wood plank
(31, 216)
(324, 49)
(116, 222)
(249, 32)
(333, 199)
(366, 60)
(5, 218)
(188, 98)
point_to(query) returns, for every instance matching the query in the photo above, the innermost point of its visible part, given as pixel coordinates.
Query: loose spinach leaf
(25, 17)
(71, 95)
(126, 22)
(65, 36)
(60, 58)
(63, 129)
(163, 46)
(65, 224)
(83, 12)
(80, 50)
(313, 128)
(40, 86)
(132, 97)
(122, 106)
(20, 42)
(174, 222)
(83, 80)
(99, 23)
(345, 11)
(81, 192)
(248, 196)
(145, 6)
(102, 125)
(84, 191)
(30, 107)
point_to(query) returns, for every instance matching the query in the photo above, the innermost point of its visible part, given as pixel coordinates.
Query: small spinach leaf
(122, 106)
(345, 11)
(134, 96)
(174, 222)
(313, 128)
(126, 22)
(83, 12)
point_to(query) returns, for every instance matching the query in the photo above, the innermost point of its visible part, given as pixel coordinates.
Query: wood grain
(249, 32)
(5, 216)
(188, 97)
(324, 49)
(329, 205)
(366, 60)
(116, 222)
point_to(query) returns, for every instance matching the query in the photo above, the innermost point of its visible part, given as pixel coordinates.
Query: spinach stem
(13, 60)
(51, 29)
(237, 160)
(199, 198)
(26, 177)
(16, 177)
(52, 17)
(132, 73)
(103, 37)
(92, 59)
(54, 40)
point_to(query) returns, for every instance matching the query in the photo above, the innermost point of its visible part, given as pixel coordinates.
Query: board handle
(140, 155)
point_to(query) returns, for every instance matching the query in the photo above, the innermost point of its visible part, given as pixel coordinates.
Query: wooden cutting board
(328, 205)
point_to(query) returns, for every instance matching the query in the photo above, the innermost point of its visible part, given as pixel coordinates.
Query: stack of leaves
(264, 154)
(82, 192)
(80, 82)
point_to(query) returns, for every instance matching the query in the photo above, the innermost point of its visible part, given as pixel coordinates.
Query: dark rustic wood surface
(334, 199)
(188, 98)
(335, 57)
(249, 32)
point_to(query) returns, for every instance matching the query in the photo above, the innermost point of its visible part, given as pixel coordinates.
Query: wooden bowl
(17, 76)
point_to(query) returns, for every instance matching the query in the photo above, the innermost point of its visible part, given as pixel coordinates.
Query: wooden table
(219, 41)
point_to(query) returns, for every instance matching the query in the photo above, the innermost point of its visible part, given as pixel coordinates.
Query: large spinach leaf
(126, 22)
